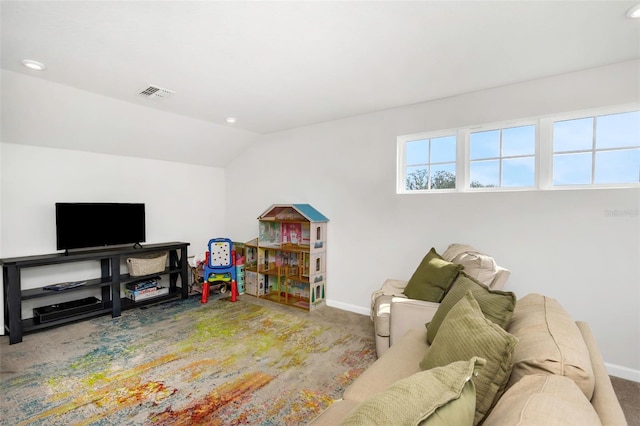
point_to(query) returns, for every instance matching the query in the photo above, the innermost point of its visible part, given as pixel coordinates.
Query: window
(580, 149)
(602, 149)
(502, 157)
(430, 163)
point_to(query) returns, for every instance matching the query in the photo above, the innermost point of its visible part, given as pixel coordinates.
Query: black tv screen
(83, 225)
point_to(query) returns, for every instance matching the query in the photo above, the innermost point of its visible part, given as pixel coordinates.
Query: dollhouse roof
(284, 211)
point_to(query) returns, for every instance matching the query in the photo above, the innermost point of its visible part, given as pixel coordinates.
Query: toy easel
(220, 268)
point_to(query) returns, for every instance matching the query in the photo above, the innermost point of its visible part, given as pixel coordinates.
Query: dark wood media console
(109, 282)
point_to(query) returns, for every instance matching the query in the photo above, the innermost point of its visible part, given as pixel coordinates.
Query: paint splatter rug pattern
(183, 363)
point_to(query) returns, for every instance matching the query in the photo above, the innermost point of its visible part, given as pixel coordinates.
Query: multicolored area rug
(183, 363)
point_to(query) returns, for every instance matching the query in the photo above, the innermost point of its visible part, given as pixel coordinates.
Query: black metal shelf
(109, 283)
(35, 293)
(130, 304)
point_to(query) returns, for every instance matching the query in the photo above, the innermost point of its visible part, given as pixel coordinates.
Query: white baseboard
(348, 307)
(623, 372)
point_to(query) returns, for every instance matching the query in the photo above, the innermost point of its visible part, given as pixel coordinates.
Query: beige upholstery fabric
(550, 342)
(338, 411)
(543, 399)
(403, 360)
(408, 314)
(604, 399)
(476, 264)
(390, 287)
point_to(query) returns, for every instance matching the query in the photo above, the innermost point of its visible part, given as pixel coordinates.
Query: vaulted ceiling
(281, 65)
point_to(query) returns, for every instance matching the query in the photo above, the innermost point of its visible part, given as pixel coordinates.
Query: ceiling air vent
(156, 92)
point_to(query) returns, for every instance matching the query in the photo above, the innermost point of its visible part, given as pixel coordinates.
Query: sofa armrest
(390, 287)
(604, 399)
(407, 314)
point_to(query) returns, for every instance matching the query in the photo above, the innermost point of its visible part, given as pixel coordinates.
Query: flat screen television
(84, 225)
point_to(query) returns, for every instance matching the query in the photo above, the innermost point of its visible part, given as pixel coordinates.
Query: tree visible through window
(574, 149)
(431, 163)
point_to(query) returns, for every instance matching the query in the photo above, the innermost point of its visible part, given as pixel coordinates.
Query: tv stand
(109, 282)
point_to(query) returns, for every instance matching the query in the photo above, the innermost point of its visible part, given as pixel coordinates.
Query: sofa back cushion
(550, 343)
(542, 399)
(476, 264)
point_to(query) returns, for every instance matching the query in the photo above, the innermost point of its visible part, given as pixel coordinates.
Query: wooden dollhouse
(287, 262)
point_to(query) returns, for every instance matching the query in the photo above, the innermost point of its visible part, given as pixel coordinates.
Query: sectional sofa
(557, 378)
(482, 356)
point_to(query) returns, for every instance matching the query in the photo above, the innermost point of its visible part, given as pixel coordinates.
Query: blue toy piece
(220, 269)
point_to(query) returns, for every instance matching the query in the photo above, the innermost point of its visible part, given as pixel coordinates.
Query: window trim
(543, 153)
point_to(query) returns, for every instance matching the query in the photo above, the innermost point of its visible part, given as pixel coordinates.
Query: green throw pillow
(496, 305)
(441, 396)
(466, 333)
(432, 278)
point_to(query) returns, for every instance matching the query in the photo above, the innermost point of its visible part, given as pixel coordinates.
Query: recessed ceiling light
(634, 12)
(34, 65)
(231, 120)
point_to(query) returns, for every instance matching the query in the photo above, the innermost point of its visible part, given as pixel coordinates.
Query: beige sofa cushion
(476, 264)
(542, 399)
(465, 333)
(399, 361)
(550, 343)
(441, 396)
(336, 412)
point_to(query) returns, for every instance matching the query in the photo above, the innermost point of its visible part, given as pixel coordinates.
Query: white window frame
(574, 116)
(543, 179)
(402, 165)
(499, 126)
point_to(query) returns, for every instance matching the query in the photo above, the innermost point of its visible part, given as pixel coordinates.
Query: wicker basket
(147, 265)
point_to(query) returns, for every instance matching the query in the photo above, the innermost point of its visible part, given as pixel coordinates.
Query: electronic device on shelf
(84, 225)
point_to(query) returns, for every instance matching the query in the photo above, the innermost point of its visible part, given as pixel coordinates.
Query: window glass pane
(484, 144)
(573, 135)
(572, 169)
(417, 152)
(417, 178)
(621, 166)
(618, 130)
(519, 141)
(518, 171)
(443, 176)
(484, 174)
(443, 149)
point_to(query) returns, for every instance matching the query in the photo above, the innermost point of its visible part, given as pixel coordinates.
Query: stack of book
(145, 289)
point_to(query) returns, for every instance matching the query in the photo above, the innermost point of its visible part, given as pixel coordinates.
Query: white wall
(177, 202)
(558, 243)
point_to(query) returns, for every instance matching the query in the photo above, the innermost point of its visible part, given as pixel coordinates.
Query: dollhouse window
(318, 234)
(317, 265)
